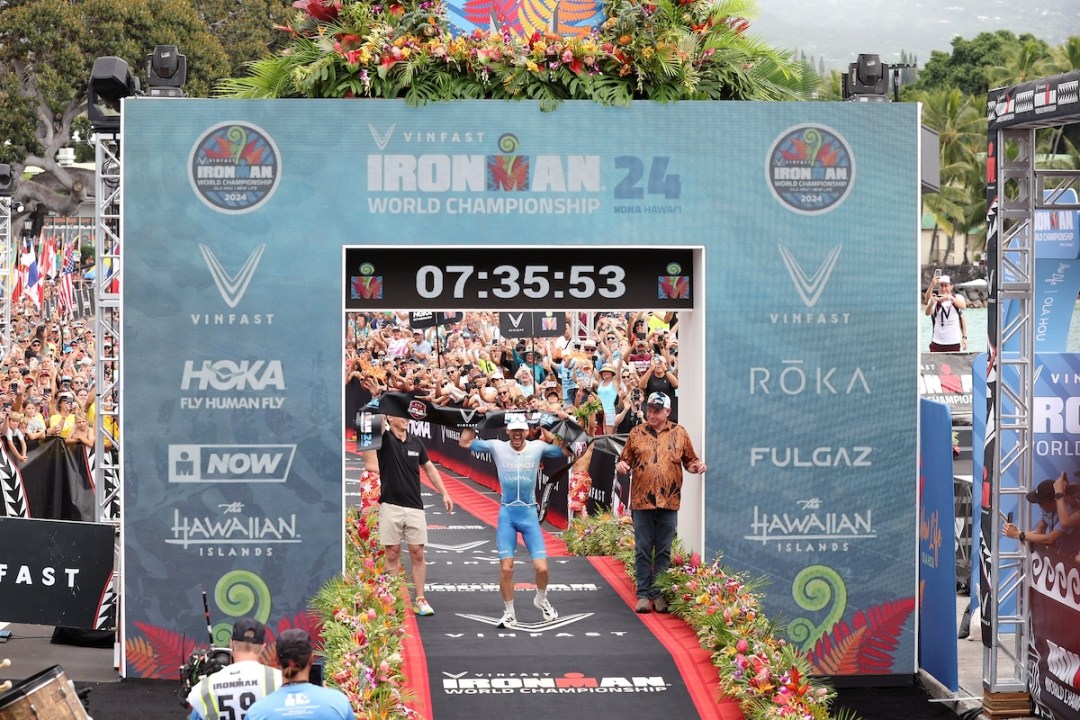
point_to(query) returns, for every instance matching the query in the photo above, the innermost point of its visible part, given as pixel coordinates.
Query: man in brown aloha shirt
(656, 453)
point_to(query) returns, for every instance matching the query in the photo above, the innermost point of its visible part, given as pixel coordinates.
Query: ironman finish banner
(785, 235)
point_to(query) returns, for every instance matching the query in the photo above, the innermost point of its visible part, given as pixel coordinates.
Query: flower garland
(664, 50)
(363, 629)
(766, 675)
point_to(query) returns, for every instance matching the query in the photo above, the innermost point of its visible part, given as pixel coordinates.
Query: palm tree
(961, 129)
(1023, 61)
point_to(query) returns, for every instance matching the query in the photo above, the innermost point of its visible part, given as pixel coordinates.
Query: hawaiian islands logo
(810, 169)
(234, 167)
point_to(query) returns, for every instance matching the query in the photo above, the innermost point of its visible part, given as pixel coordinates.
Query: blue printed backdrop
(807, 215)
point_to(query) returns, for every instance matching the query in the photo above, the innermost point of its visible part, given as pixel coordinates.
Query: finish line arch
(805, 219)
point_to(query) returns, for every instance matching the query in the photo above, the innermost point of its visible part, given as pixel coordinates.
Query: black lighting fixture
(110, 82)
(867, 80)
(168, 72)
(7, 180)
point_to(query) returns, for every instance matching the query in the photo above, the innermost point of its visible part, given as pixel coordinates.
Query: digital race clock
(502, 278)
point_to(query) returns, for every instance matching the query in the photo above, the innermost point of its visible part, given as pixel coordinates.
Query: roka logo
(810, 287)
(226, 375)
(417, 409)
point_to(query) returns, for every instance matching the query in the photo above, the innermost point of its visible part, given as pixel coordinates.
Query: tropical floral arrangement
(766, 675)
(363, 615)
(608, 51)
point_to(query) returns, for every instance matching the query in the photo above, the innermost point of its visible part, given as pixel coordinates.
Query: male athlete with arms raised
(518, 462)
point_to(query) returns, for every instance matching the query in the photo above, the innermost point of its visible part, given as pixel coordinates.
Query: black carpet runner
(597, 660)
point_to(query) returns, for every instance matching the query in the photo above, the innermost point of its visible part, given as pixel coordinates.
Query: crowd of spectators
(599, 371)
(47, 384)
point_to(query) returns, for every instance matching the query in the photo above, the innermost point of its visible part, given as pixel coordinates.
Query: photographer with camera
(232, 690)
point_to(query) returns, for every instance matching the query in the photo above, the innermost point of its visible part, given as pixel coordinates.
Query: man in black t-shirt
(401, 509)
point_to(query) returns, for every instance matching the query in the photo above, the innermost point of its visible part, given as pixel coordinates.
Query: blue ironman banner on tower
(790, 229)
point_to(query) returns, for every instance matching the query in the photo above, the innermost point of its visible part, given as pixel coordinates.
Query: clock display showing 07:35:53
(511, 278)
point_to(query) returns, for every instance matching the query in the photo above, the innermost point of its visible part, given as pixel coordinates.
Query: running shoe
(422, 607)
(545, 607)
(507, 620)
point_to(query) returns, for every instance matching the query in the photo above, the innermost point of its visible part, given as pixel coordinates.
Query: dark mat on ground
(598, 660)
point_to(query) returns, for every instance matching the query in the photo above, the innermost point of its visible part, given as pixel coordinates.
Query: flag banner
(55, 482)
(1054, 651)
(55, 572)
(946, 377)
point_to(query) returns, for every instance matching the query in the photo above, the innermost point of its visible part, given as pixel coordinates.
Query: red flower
(319, 9)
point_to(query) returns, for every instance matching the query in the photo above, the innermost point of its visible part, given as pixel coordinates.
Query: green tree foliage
(953, 91)
(47, 48)
(965, 67)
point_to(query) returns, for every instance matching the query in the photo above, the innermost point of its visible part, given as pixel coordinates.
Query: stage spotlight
(867, 80)
(7, 180)
(110, 82)
(168, 72)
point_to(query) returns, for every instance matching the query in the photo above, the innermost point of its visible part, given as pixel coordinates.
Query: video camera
(203, 662)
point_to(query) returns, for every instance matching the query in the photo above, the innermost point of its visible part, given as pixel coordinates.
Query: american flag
(67, 289)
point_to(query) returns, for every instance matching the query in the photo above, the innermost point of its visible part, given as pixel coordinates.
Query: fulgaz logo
(234, 167)
(230, 463)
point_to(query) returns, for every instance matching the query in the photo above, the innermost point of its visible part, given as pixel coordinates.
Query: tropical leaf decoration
(867, 645)
(159, 654)
(486, 14)
(608, 51)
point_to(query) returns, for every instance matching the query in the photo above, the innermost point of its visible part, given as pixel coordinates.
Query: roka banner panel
(789, 228)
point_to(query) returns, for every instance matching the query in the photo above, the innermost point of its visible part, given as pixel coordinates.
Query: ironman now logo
(234, 167)
(810, 169)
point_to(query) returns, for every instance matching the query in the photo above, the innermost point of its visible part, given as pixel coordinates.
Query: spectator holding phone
(946, 312)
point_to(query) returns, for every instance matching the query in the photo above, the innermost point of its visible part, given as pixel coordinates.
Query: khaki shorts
(397, 524)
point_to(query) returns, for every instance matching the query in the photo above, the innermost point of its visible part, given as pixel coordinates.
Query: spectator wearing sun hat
(655, 455)
(607, 389)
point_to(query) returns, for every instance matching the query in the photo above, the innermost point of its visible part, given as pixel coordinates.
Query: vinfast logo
(810, 287)
(232, 287)
(810, 528)
(230, 463)
(533, 683)
(531, 628)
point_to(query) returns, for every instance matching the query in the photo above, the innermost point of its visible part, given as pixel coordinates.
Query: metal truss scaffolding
(107, 334)
(1016, 191)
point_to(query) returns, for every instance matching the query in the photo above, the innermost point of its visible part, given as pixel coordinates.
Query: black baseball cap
(293, 644)
(249, 630)
(1044, 493)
